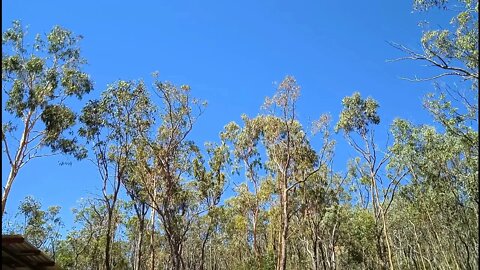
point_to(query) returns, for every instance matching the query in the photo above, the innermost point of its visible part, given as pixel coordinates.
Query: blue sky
(230, 53)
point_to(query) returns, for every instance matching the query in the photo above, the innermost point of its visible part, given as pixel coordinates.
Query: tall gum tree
(168, 170)
(112, 125)
(356, 121)
(245, 150)
(441, 160)
(210, 184)
(318, 209)
(38, 80)
(291, 159)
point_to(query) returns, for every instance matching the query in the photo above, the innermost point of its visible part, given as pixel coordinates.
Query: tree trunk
(11, 177)
(108, 239)
(282, 259)
(324, 259)
(333, 261)
(138, 258)
(152, 238)
(315, 255)
(384, 224)
(110, 229)
(202, 258)
(17, 163)
(255, 244)
(176, 256)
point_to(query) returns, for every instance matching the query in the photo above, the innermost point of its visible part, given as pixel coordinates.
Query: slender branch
(40, 133)
(4, 140)
(356, 147)
(440, 63)
(431, 78)
(42, 155)
(304, 179)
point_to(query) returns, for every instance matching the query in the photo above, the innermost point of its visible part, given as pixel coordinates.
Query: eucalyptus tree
(134, 186)
(452, 51)
(235, 228)
(245, 150)
(210, 185)
(440, 203)
(319, 210)
(136, 224)
(168, 174)
(296, 174)
(141, 187)
(112, 125)
(358, 239)
(135, 230)
(83, 245)
(290, 156)
(38, 80)
(356, 120)
(40, 227)
(455, 51)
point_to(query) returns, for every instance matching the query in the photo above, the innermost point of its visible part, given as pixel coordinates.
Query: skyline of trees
(412, 204)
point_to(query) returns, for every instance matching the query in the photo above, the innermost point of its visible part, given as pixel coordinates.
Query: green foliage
(412, 206)
(32, 76)
(460, 44)
(30, 79)
(39, 227)
(358, 114)
(358, 237)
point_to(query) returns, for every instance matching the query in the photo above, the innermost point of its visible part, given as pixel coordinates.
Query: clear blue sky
(230, 52)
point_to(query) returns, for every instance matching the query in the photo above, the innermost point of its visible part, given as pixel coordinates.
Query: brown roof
(17, 253)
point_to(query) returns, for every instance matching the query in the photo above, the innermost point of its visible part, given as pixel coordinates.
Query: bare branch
(435, 60)
(7, 151)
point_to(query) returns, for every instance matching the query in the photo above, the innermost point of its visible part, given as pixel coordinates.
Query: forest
(411, 204)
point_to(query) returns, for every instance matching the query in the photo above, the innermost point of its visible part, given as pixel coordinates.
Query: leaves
(358, 114)
(57, 118)
(411, 205)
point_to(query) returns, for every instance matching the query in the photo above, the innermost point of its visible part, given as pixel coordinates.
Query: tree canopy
(411, 204)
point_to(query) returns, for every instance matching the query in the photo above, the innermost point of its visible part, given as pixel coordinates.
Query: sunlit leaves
(427, 4)
(447, 48)
(358, 114)
(34, 65)
(287, 94)
(11, 64)
(15, 104)
(31, 79)
(39, 227)
(56, 118)
(76, 82)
